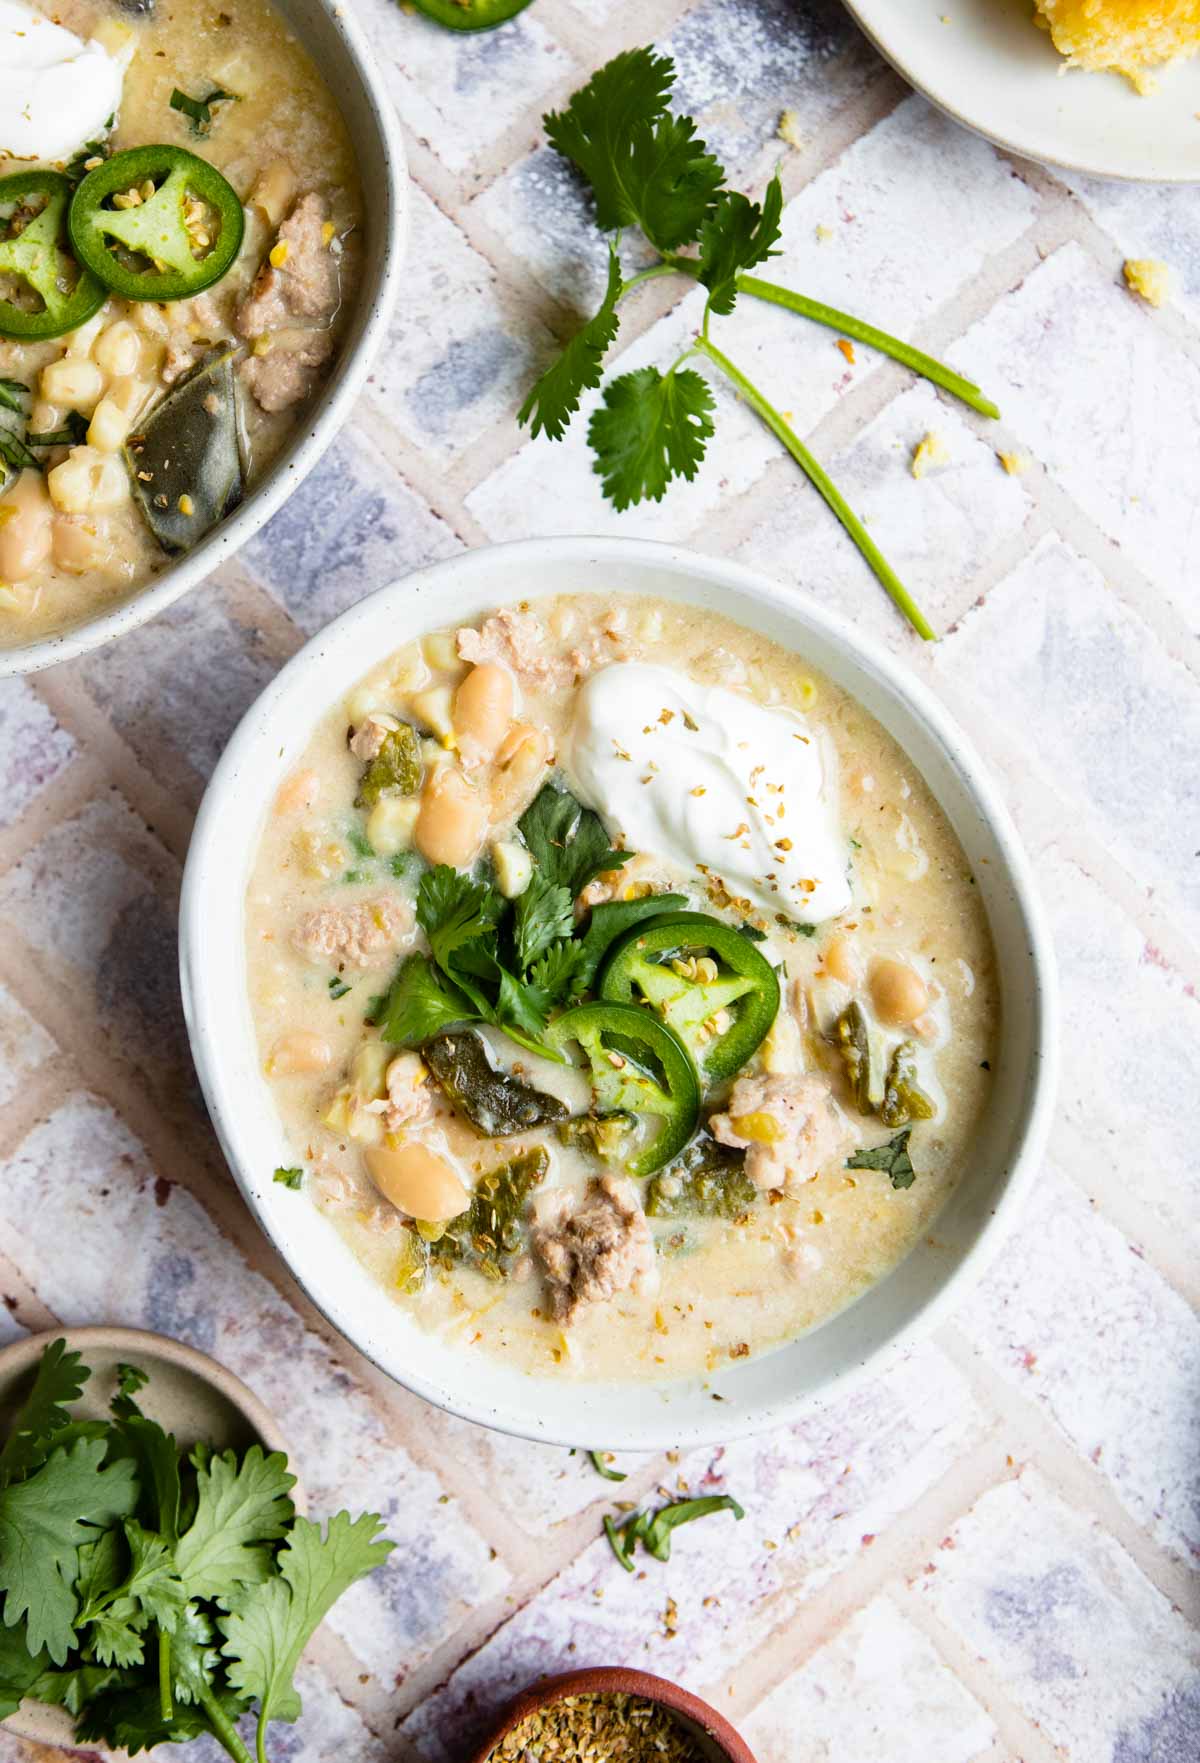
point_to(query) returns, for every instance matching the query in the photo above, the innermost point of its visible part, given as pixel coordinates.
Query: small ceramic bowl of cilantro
(158, 1582)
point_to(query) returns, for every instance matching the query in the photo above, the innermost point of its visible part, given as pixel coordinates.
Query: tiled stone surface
(816, 1496)
(456, 362)
(1118, 443)
(1099, 709)
(35, 748)
(1074, 1317)
(176, 689)
(968, 508)
(156, 1261)
(1118, 989)
(24, 1046)
(878, 1693)
(1036, 1636)
(1055, 1610)
(459, 94)
(354, 527)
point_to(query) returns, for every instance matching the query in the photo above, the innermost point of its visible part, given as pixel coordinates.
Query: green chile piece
(489, 1236)
(603, 1135)
(708, 1181)
(903, 1097)
(395, 769)
(495, 1102)
(862, 1055)
(185, 464)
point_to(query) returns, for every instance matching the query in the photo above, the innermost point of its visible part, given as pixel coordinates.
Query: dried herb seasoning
(595, 1728)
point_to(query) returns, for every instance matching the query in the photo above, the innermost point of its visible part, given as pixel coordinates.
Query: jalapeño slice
(471, 15)
(638, 1066)
(54, 293)
(179, 234)
(721, 1016)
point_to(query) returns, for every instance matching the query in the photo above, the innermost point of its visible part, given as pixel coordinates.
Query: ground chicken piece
(304, 284)
(366, 743)
(788, 1126)
(516, 640)
(409, 1097)
(360, 936)
(601, 1248)
(180, 357)
(288, 372)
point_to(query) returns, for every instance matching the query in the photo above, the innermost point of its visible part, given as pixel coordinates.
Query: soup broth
(811, 1166)
(85, 523)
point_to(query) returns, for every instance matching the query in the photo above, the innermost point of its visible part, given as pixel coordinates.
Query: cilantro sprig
(157, 1596)
(647, 168)
(510, 963)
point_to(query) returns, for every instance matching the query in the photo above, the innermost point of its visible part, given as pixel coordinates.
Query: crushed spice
(599, 1729)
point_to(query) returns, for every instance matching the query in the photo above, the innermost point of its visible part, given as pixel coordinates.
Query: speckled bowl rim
(371, 120)
(610, 1680)
(37, 1721)
(747, 1396)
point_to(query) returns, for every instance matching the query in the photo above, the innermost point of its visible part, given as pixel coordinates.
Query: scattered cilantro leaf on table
(650, 428)
(555, 397)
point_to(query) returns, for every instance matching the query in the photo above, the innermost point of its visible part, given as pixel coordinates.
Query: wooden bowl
(716, 1738)
(189, 1395)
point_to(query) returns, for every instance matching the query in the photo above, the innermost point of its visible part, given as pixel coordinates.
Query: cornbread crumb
(847, 349)
(1150, 277)
(930, 451)
(788, 129)
(1015, 464)
(1131, 37)
(823, 233)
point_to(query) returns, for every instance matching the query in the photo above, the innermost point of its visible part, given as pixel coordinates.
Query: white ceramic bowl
(637, 1416)
(339, 47)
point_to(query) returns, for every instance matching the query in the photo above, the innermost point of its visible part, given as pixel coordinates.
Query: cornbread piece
(1133, 37)
(929, 452)
(1149, 277)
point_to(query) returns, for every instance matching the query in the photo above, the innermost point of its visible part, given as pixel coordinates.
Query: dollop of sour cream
(708, 779)
(56, 91)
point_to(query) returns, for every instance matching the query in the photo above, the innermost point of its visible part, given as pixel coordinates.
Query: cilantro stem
(165, 1700)
(645, 275)
(926, 365)
(822, 482)
(224, 1731)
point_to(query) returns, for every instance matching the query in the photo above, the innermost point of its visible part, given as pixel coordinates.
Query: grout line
(1018, 1734)
(1039, 1441)
(21, 1300)
(159, 808)
(901, 1549)
(61, 799)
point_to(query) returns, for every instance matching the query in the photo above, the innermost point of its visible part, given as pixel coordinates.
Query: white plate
(991, 68)
(762, 1392)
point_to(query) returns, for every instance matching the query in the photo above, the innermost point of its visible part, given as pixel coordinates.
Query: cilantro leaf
(73, 1688)
(99, 1573)
(554, 973)
(893, 1159)
(114, 1636)
(59, 1381)
(568, 842)
(737, 235)
(239, 1509)
(645, 166)
(521, 1011)
(194, 1654)
(650, 428)
(132, 1720)
(289, 1178)
(156, 1456)
(131, 1380)
(610, 920)
(270, 1625)
(542, 914)
(43, 1520)
(419, 1003)
(19, 1668)
(152, 1585)
(577, 368)
(453, 910)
